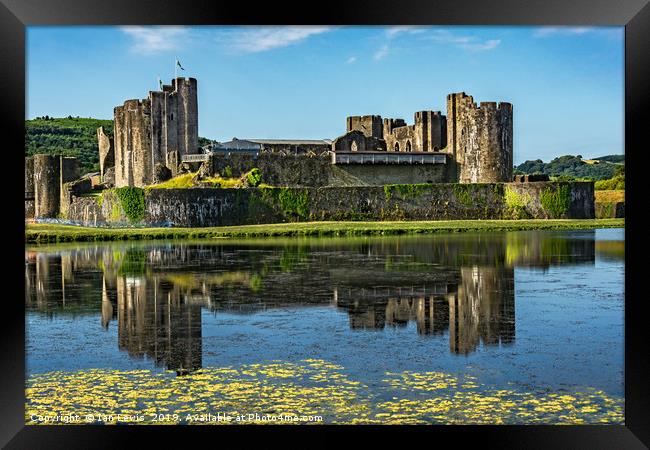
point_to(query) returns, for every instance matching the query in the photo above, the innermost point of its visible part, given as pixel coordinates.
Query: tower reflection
(454, 288)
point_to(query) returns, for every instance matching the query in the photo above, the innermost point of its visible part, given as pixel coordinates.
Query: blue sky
(566, 84)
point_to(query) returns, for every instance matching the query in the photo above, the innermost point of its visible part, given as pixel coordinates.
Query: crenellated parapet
(370, 126)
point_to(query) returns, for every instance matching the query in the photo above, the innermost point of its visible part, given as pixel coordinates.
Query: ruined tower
(106, 151)
(479, 139)
(49, 173)
(370, 126)
(147, 131)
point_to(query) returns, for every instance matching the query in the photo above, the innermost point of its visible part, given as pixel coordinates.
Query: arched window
(408, 146)
(397, 146)
(354, 147)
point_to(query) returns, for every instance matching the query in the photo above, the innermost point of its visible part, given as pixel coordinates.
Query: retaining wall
(198, 207)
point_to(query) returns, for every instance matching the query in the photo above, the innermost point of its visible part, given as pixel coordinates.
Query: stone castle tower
(153, 130)
(479, 139)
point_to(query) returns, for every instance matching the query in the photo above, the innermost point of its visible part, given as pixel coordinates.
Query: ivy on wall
(132, 202)
(293, 202)
(556, 201)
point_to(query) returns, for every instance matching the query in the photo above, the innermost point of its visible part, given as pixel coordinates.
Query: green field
(44, 233)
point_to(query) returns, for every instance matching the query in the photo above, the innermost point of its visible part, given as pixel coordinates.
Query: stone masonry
(479, 139)
(147, 130)
(106, 151)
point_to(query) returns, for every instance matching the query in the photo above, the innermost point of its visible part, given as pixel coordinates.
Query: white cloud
(351, 60)
(391, 32)
(470, 43)
(481, 46)
(381, 53)
(561, 31)
(268, 38)
(148, 40)
(608, 32)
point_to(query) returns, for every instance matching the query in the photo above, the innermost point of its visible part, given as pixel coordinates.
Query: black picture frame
(15, 15)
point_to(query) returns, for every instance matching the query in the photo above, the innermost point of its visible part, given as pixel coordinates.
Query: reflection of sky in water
(561, 327)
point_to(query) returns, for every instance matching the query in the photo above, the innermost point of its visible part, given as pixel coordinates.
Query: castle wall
(106, 151)
(370, 126)
(69, 169)
(47, 177)
(170, 122)
(555, 199)
(446, 201)
(430, 131)
(302, 170)
(401, 139)
(70, 191)
(356, 141)
(428, 134)
(157, 124)
(480, 139)
(381, 174)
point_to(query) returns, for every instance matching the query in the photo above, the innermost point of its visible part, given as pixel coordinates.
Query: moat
(499, 327)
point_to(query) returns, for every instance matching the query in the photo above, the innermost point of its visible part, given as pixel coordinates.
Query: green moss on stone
(463, 195)
(293, 202)
(517, 203)
(406, 191)
(116, 212)
(132, 202)
(556, 201)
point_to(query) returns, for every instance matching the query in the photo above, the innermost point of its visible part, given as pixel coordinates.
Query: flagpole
(175, 74)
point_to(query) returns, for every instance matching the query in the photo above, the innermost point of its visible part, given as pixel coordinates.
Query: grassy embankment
(43, 233)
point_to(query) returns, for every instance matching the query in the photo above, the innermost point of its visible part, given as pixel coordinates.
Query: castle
(453, 166)
(153, 137)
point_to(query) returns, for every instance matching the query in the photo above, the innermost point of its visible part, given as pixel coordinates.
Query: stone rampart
(199, 207)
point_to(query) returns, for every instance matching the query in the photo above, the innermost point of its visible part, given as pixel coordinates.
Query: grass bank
(44, 233)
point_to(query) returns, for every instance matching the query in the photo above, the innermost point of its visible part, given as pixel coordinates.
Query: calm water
(528, 312)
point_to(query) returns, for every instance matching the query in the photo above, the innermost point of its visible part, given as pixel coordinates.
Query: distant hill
(612, 158)
(66, 136)
(71, 136)
(569, 166)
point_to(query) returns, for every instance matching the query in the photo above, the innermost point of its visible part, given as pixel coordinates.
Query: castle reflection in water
(155, 292)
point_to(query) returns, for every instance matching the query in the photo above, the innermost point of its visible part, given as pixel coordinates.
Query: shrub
(616, 183)
(254, 177)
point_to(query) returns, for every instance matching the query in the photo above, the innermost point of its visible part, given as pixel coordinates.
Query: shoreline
(38, 233)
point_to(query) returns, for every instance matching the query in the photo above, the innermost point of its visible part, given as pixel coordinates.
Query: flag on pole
(160, 83)
(178, 63)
